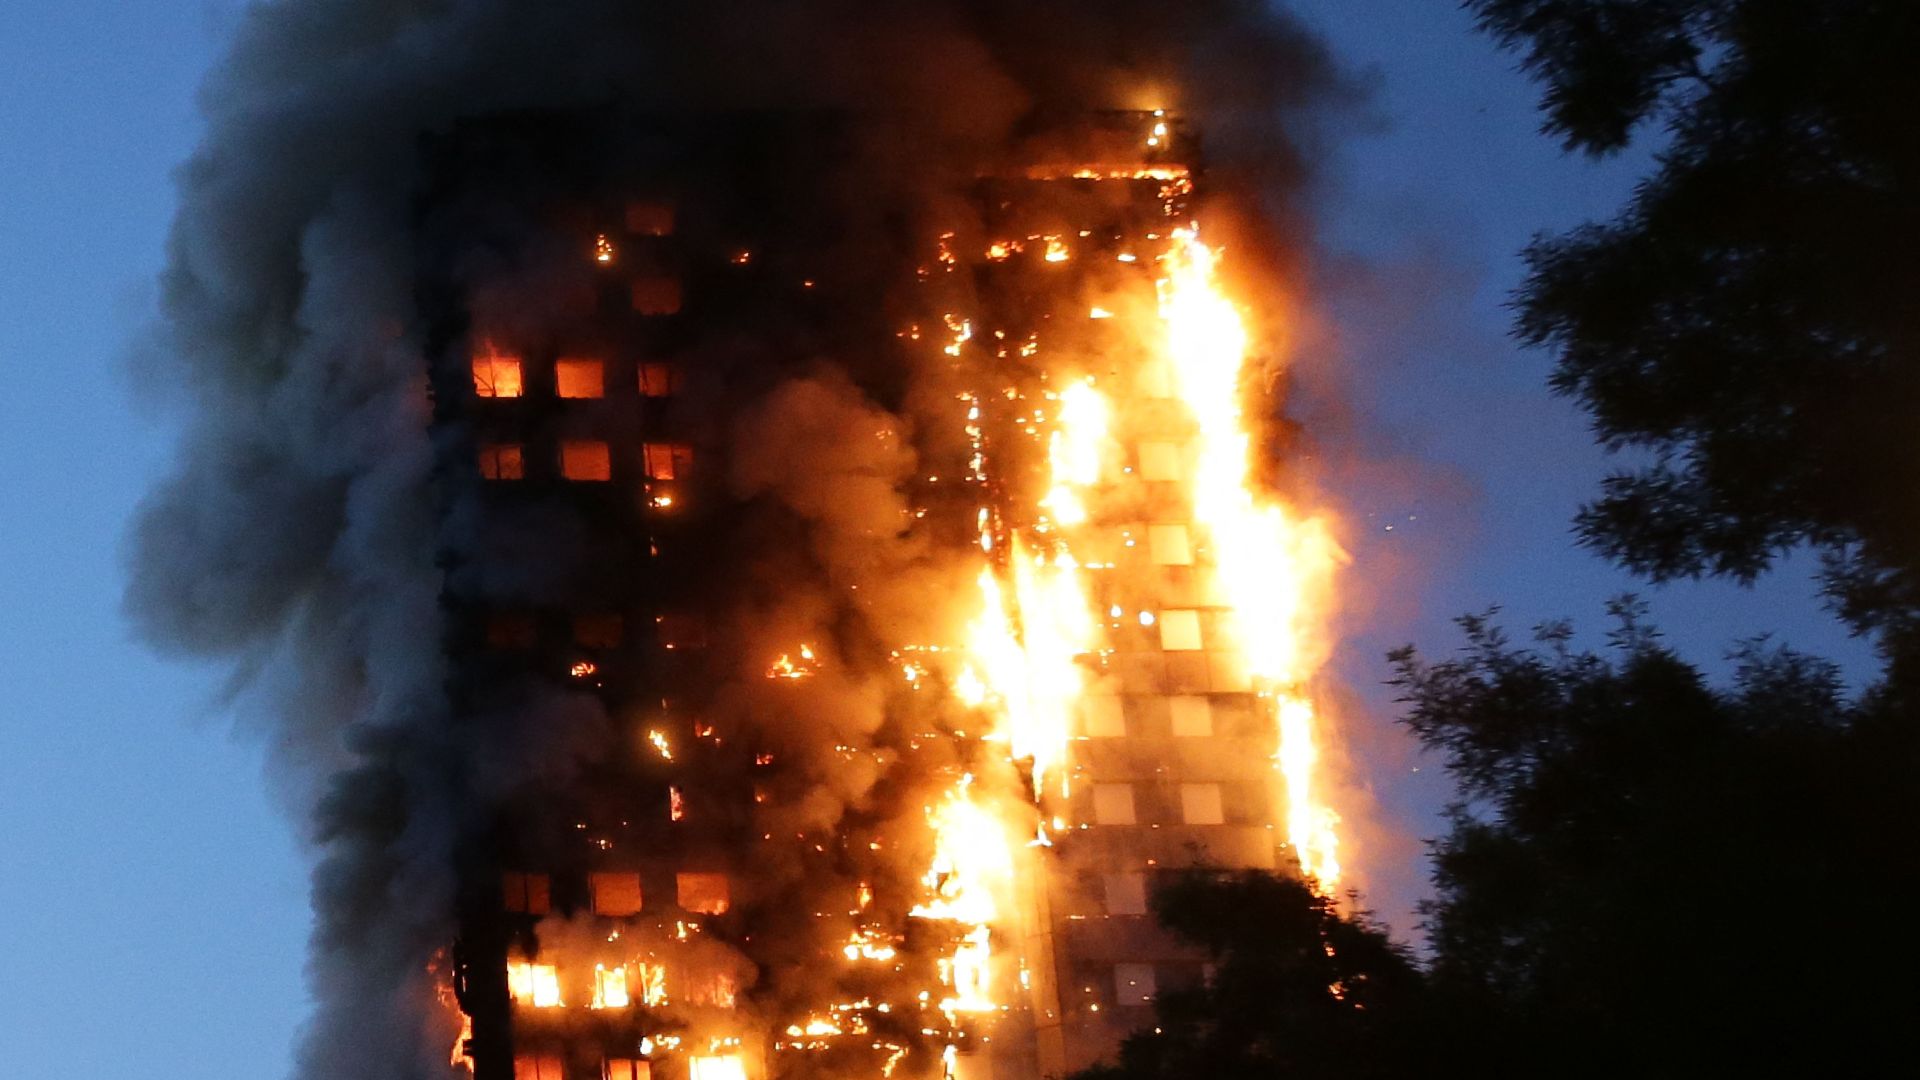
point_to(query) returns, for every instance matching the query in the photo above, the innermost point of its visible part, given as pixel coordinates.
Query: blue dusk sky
(153, 899)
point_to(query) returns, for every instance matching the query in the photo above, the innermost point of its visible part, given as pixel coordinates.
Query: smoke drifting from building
(312, 537)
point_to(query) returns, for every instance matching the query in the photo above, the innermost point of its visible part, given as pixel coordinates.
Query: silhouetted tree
(1295, 988)
(1646, 874)
(1748, 322)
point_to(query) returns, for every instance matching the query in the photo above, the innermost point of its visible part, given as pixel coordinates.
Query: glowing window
(538, 1067)
(1103, 717)
(1180, 630)
(599, 631)
(656, 295)
(668, 461)
(577, 378)
(503, 461)
(704, 893)
(532, 984)
(1126, 894)
(716, 1068)
(585, 459)
(1192, 716)
(496, 376)
(529, 894)
(650, 218)
(1227, 673)
(609, 988)
(615, 894)
(1113, 804)
(1159, 461)
(626, 1069)
(1133, 984)
(658, 380)
(1168, 545)
(1201, 804)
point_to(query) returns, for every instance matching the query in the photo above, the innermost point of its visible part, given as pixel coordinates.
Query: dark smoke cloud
(296, 539)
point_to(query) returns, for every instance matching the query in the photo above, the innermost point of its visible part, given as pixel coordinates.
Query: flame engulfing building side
(872, 587)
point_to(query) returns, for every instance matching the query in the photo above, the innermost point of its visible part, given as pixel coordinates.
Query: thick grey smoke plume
(297, 538)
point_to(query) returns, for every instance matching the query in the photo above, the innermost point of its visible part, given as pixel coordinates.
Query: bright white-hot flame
(1273, 561)
(971, 860)
(972, 864)
(729, 1067)
(1031, 668)
(1074, 451)
(660, 744)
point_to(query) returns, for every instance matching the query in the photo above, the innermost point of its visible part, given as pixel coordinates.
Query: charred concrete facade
(710, 875)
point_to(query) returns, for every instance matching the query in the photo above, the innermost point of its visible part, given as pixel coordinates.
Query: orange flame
(1277, 562)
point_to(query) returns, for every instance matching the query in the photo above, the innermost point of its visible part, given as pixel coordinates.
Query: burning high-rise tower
(758, 518)
(791, 830)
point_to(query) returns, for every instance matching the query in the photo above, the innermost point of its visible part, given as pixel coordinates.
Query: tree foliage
(1747, 323)
(1296, 988)
(1648, 873)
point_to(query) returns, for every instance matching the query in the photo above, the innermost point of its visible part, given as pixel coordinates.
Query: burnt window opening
(503, 461)
(668, 461)
(616, 895)
(539, 1067)
(599, 631)
(659, 380)
(586, 460)
(650, 217)
(704, 892)
(657, 296)
(496, 376)
(626, 1069)
(511, 630)
(527, 894)
(577, 377)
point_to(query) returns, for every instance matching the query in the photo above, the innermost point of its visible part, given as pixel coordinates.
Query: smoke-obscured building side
(748, 689)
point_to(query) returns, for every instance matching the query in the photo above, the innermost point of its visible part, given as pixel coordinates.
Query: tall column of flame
(1270, 562)
(1026, 653)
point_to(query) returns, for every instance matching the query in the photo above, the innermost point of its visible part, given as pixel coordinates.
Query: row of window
(586, 460)
(617, 894)
(1200, 804)
(496, 375)
(1103, 716)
